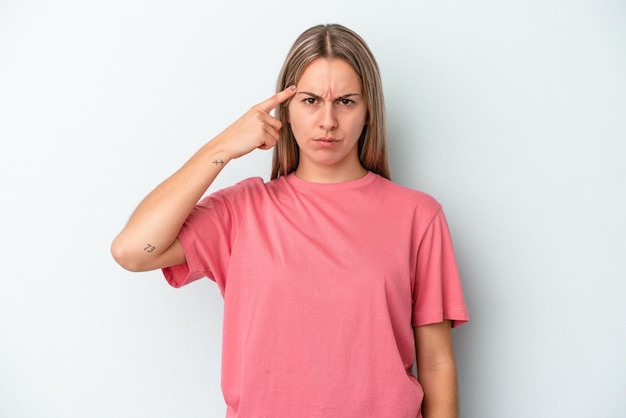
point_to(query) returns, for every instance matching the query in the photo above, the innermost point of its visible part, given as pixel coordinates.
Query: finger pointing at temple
(280, 97)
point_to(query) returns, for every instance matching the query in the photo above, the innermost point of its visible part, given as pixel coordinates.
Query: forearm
(146, 242)
(440, 392)
(154, 225)
(436, 370)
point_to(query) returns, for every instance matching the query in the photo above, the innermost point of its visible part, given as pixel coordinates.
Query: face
(327, 116)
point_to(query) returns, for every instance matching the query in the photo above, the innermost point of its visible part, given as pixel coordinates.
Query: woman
(333, 277)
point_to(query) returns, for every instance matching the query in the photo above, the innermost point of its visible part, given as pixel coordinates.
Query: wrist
(215, 153)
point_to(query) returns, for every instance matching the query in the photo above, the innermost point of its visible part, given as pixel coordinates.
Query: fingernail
(292, 88)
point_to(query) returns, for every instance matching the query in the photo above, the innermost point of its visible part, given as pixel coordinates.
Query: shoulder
(236, 195)
(242, 187)
(406, 197)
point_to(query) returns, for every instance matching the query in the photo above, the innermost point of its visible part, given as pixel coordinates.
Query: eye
(345, 102)
(310, 100)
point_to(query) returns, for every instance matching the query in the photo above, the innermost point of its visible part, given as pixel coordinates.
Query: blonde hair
(334, 42)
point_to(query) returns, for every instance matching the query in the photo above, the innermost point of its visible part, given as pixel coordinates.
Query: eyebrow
(316, 96)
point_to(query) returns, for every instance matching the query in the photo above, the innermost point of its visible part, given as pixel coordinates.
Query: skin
(149, 239)
(436, 370)
(327, 114)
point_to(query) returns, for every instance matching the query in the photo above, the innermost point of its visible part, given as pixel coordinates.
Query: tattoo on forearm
(218, 162)
(149, 248)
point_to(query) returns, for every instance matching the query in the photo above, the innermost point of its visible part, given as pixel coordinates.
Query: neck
(330, 174)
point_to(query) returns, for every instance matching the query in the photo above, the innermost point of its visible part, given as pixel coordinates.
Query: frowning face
(327, 116)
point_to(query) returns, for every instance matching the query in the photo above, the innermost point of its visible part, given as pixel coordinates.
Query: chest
(324, 255)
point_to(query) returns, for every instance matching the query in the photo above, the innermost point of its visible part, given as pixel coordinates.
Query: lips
(326, 140)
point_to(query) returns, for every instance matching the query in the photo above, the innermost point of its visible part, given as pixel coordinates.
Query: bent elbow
(124, 257)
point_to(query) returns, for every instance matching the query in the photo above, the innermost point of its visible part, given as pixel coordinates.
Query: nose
(328, 118)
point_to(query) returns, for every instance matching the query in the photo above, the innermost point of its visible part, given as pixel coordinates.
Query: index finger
(277, 99)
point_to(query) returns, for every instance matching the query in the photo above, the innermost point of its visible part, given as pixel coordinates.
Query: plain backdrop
(512, 114)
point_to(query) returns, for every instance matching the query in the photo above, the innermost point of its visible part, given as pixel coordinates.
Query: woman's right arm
(149, 239)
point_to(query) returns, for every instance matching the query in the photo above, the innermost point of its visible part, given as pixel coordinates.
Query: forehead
(334, 74)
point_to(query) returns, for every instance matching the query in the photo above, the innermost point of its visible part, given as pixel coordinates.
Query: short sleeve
(206, 238)
(437, 292)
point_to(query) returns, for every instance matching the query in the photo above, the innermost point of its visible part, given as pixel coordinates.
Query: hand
(256, 128)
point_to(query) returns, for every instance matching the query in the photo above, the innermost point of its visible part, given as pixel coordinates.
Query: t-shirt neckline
(304, 185)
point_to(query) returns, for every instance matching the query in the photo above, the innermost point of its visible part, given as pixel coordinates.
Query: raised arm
(149, 239)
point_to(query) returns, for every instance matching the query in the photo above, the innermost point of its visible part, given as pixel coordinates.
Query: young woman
(335, 280)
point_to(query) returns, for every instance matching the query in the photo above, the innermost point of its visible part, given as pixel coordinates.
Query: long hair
(334, 42)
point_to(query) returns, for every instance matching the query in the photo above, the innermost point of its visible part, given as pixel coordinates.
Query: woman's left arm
(436, 370)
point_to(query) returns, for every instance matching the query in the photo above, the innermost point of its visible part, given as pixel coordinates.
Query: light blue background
(512, 114)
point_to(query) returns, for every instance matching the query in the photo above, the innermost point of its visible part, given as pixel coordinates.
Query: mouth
(326, 140)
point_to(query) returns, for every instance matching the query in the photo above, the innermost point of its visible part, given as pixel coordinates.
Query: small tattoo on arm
(149, 248)
(218, 162)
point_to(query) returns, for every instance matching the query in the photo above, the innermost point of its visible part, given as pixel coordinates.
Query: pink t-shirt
(322, 286)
